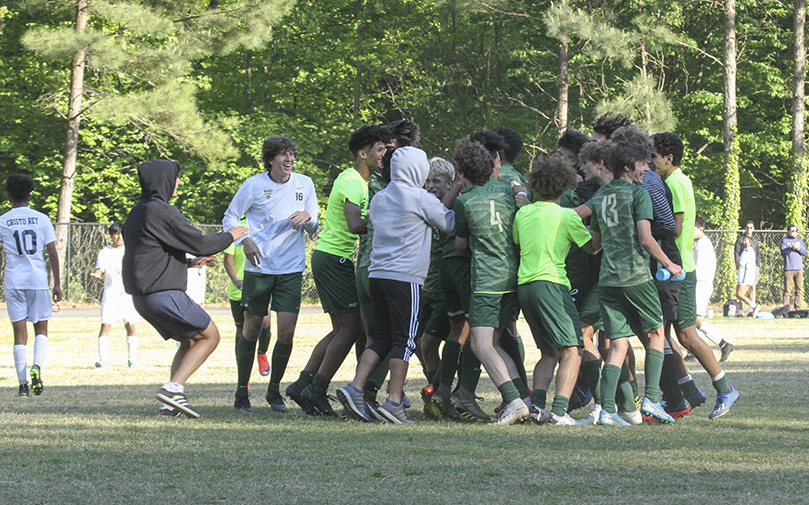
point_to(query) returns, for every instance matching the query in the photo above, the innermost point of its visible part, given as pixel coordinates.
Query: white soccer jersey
(705, 260)
(268, 205)
(109, 262)
(25, 233)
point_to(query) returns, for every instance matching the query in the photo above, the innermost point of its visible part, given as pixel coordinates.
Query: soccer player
(705, 268)
(544, 231)
(622, 212)
(333, 270)
(606, 125)
(116, 304)
(570, 144)
(666, 157)
(157, 237)
(513, 147)
(281, 207)
(26, 235)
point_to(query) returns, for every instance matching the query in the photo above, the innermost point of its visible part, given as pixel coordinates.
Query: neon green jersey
(682, 196)
(335, 237)
(237, 252)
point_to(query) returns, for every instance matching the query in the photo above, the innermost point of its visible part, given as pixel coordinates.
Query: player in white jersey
(25, 235)
(705, 260)
(116, 303)
(280, 206)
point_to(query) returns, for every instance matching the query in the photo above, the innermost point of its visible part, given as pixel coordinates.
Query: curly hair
(632, 134)
(406, 132)
(19, 187)
(493, 142)
(473, 161)
(513, 142)
(551, 174)
(573, 140)
(625, 154)
(610, 122)
(595, 152)
(274, 146)
(669, 143)
(367, 136)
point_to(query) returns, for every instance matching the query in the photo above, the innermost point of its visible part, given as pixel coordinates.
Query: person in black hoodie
(158, 236)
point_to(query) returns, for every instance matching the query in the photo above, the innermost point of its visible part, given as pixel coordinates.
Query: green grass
(94, 437)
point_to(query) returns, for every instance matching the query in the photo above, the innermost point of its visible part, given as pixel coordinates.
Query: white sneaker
(538, 415)
(632, 418)
(592, 418)
(564, 420)
(515, 411)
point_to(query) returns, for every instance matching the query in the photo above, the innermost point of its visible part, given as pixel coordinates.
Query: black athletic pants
(396, 317)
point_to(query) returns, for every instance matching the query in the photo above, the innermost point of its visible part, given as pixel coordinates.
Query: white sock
(21, 362)
(104, 348)
(40, 350)
(132, 347)
(173, 387)
(684, 379)
(710, 332)
(721, 374)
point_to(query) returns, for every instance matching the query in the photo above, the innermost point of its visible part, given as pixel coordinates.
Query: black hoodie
(157, 235)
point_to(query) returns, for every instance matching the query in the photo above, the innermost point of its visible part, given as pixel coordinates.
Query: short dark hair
(274, 146)
(115, 227)
(632, 134)
(513, 142)
(573, 140)
(669, 143)
(551, 174)
(19, 187)
(595, 151)
(625, 154)
(365, 138)
(610, 122)
(473, 161)
(792, 226)
(493, 142)
(406, 133)
(699, 221)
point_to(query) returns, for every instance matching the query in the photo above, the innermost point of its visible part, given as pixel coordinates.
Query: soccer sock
(539, 397)
(264, 340)
(104, 348)
(132, 347)
(610, 375)
(592, 376)
(652, 369)
(245, 350)
(508, 392)
(377, 377)
(449, 362)
(668, 382)
(521, 388)
(320, 384)
(40, 350)
(625, 394)
(304, 379)
(710, 332)
(21, 362)
(280, 358)
(720, 383)
(687, 385)
(469, 369)
(512, 346)
(559, 406)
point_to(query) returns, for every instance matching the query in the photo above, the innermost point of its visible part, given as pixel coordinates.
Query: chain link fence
(85, 240)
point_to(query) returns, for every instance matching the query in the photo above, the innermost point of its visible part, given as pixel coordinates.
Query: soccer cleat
(680, 410)
(633, 418)
(724, 401)
(263, 364)
(431, 411)
(656, 410)
(276, 401)
(393, 414)
(354, 401)
(294, 393)
(242, 403)
(538, 414)
(607, 419)
(102, 364)
(697, 399)
(320, 401)
(726, 350)
(442, 399)
(36, 380)
(564, 420)
(514, 412)
(467, 406)
(24, 392)
(592, 417)
(177, 401)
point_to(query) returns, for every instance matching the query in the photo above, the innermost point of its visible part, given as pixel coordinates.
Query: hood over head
(410, 166)
(157, 179)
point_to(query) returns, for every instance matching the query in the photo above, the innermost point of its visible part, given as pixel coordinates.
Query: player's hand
(299, 217)
(675, 269)
(239, 283)
(238, 232)
(95, 275)
(522, 199)
(57, 294)
(252, 252)
(203, 261)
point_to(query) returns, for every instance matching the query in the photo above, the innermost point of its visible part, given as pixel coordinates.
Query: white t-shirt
(196, 282)
(109, 261)
(25, 233)
(705, 259)
(268, 205)
(747, 267)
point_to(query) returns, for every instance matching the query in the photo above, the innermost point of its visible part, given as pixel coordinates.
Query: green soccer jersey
(682, 196)
(485, 215)
(509, 174)
(616, 208)
(432, 282)
(376, 183)
(449, 249)
(335, 237)
(544, 232)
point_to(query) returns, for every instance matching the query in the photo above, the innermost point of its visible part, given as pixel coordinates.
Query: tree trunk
(249, 71)
(561, 112)
(797, 195)
(730, 217)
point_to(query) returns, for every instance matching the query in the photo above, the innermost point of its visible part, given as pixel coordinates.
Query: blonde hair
(440, 166)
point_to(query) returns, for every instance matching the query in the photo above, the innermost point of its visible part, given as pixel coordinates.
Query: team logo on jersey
(268, 193)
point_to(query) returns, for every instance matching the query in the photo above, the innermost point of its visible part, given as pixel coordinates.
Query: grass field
(94, 436)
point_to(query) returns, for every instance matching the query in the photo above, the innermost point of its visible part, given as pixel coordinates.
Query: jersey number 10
(26, 242)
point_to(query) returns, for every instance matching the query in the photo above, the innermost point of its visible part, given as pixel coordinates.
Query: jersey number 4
(494, 218)
(609, 211)
(26, 242)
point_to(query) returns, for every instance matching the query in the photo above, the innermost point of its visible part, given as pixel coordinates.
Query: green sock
(280, 357)
(722, 385)
(592, 376)
(320, 384)
(244, 360)
(304, 379)
(470, 368)
(449, 363)
(652, 369)
(625, 395)
(610, 375)
(633, 383)
(560, 404)
(539, 397)
(521, 388)
(377, 377)
(508, 392)
(264, 340)
(689, 388)
(513, 347)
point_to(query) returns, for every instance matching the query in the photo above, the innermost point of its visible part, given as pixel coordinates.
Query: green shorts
(237, 311)
(590, 310)
(632, 310)
(335, 282)
(364, 298)
(687, 302)
(434, 318)
(493, 310)
(552, 328)
(456, 278)
(283, 290)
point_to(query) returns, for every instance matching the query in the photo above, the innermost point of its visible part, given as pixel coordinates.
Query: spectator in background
(747, 276)
(793, 248)
(749, 228)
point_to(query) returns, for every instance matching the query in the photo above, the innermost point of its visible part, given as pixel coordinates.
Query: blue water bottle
(663, 275)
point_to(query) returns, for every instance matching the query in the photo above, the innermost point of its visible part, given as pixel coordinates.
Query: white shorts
(34, 304)
(704, 290)
(116, 306)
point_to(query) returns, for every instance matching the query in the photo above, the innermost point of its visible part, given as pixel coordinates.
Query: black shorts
(172, 313)
(237, 311)
(396, 317)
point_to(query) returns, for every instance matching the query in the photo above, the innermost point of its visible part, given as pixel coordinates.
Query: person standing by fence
(749, 228)
(793, 249)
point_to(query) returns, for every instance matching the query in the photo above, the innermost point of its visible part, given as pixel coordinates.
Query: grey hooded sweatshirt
(403, 215)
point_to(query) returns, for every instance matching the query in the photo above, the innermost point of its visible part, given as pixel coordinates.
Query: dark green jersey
(508, 174)
(485, 215)
(616, 208)
(376, 183)
(582, 267)
(432, 282)
(450, 250)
